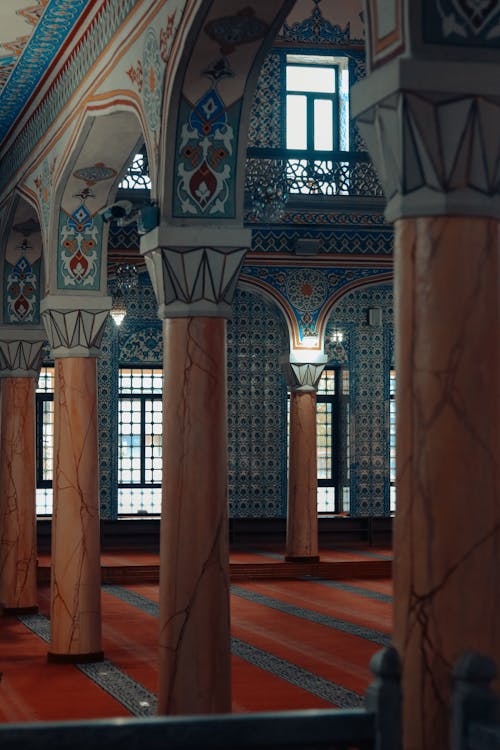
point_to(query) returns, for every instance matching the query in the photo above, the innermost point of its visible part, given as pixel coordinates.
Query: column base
(19, 610)
(75, 658)
(302, 558)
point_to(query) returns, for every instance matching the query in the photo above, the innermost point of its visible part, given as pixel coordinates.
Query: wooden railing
(475, 723)
(475, 706)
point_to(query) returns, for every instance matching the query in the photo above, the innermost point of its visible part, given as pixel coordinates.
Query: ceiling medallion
(97, 173)
(231, 31)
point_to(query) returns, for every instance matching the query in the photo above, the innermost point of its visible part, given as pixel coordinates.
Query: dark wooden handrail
(294, 730)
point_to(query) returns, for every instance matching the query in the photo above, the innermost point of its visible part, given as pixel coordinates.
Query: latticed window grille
(332, 441)
(137, 175)
(44, 441)
(325, 441)
(392, 438)
(139, 441)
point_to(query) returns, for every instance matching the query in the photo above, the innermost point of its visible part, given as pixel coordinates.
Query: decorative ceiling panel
(31, 35)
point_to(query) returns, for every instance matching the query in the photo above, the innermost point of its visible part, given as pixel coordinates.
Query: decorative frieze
(435, 141)
(72, 331)
(21, 352)
(303, 376)
(197, 279)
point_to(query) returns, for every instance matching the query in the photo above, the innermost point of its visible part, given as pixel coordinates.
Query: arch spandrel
(21, 270)
(206, 115)
(87, 184)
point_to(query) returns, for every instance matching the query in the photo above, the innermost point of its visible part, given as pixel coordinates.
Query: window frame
(311, 97)
(338, 452)
(392, 439)
(42, 397)
(144, 398)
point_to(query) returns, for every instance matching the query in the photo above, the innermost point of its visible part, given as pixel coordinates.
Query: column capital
(194, 270)
(21, 351)
(75, 324)
(300, 375)
(434, 139)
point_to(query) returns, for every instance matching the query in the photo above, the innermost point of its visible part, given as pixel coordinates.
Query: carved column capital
(302, 376)
(75, 326)
(434, 138)
(21, 351)
(194, 271)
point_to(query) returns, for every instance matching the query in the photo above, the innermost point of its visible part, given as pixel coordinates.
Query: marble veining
(302, 519)
(447, 530)
(17, 494)
(194, 556)
(75, 584)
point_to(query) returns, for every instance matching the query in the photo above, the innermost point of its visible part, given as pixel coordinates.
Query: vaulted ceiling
(32, 36)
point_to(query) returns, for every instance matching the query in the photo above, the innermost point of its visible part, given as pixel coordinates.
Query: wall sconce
(126, 278)
(337, 336)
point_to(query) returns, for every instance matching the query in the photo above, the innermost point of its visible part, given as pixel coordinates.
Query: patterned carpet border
(317, 617)
(295, 675)
(377, 596)
(133, 696)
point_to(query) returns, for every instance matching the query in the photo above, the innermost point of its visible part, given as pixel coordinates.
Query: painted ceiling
(31, 34)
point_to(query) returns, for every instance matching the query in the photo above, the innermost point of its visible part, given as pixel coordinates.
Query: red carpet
(298, 644)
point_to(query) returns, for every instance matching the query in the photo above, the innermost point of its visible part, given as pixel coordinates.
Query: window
(137, 175)
(392, 438)
(139, 441)
(44, 441)
(332, 441)
(316, 120)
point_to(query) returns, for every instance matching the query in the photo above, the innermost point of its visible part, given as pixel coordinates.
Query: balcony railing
(285, 173)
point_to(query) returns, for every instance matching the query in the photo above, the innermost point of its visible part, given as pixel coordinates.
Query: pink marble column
(18, 592)
(194, 564)
(447, 528)
(302, 519)
(75, 583)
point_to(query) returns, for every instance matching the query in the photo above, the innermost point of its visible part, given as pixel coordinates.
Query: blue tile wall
(256, 336)
(369, 356)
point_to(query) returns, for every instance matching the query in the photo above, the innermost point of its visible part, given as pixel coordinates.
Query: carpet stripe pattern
(331, 622)
(128, 692)
(297, 643)
(335, 694)
(377, 596)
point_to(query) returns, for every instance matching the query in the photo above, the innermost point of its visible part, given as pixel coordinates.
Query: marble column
(447, 536)
(19, 367)
(302, 516)
(445, 202)
(194, 284)
(74, 336)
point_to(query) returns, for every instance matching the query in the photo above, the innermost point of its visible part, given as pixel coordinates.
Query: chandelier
(126, 278)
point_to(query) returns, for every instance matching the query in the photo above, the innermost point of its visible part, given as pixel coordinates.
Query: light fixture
(126, 278)
(337, 336)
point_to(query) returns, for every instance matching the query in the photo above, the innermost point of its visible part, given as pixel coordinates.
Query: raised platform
(136, 567)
